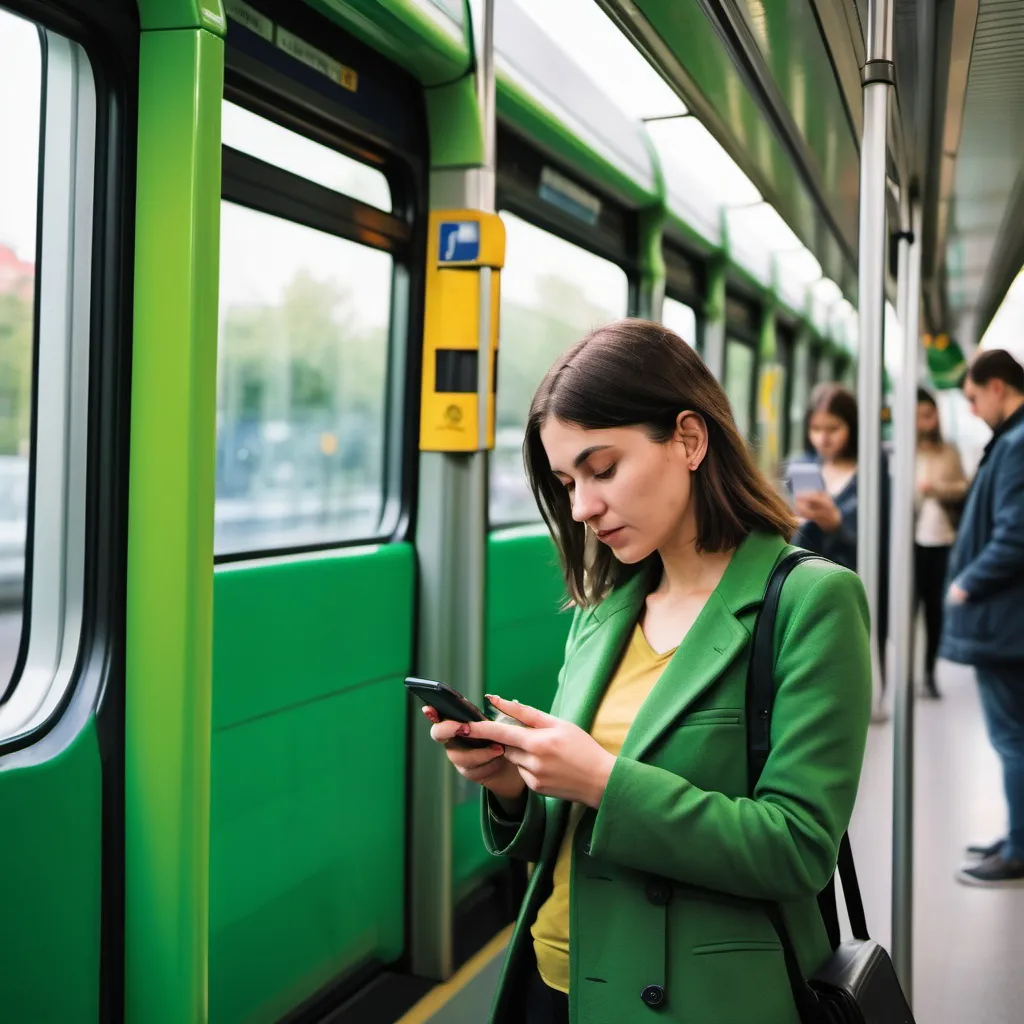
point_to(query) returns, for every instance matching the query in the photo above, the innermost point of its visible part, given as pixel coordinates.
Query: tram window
(679, 317)
(302, 385)
(20, 97)
(552, 294)
(739, 382)
(273, 143)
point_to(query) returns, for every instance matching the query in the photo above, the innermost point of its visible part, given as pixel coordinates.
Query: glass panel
(592, 40)
(274, 144)
(301, 385)
(552, 293)
(20, 106)
(679, 317)
(739, 382)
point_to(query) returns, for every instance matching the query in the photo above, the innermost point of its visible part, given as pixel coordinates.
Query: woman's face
(633, 493)
(829, 435)
(927, 420)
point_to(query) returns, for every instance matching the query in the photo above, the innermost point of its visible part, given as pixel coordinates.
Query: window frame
(89, 171)
(743, 332)
(257, 185)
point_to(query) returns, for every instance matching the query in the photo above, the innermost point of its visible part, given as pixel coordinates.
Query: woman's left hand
(554, 757)
(821, 509)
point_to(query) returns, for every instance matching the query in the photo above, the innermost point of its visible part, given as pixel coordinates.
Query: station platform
(968, 942)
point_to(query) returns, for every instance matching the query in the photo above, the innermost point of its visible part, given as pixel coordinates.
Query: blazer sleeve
(782, 843)
(522, 837)
(1001, 559)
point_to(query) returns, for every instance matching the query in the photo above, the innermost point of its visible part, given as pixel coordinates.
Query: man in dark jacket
(984, 623)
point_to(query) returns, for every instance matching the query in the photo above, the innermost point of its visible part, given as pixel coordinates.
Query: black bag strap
(760, 699)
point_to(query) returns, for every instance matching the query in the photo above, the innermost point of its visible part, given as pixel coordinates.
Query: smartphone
(805, 478)
(449, 704)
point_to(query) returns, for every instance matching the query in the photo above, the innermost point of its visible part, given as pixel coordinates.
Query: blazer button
(653, 996)
(659, 892)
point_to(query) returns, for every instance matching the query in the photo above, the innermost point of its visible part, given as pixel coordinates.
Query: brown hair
(638, 373)
(997, 364)
(835, 400)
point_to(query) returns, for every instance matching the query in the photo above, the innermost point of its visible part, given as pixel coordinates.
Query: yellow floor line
(442, 994)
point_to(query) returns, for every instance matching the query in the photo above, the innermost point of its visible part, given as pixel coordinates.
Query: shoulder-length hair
(638, 373)
(837, 401)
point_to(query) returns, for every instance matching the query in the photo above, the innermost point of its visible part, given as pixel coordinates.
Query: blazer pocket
(738, 946)
(712, 716)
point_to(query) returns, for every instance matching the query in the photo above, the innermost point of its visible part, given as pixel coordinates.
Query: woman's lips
(610, 536)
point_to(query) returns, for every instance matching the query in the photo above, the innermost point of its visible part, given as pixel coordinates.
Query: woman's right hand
(485, 766)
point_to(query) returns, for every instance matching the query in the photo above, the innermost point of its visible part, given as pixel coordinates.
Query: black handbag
(858, 983)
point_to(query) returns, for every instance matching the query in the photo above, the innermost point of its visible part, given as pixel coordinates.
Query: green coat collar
(714, 640)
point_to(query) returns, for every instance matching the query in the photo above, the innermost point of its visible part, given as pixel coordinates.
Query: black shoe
(931, 691)
(984, 852)
(993, 871)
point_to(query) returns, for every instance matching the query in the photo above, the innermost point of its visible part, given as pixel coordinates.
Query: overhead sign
(459, 241)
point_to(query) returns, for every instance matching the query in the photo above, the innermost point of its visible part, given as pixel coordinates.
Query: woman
(828, 519)
(941, 488)
(634, 787)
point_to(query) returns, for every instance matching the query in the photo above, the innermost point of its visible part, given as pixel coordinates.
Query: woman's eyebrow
(587, 452)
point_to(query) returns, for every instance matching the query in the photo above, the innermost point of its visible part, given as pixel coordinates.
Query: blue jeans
(1002, 700)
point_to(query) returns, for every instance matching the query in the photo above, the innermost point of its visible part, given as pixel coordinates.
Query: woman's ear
(692, 434)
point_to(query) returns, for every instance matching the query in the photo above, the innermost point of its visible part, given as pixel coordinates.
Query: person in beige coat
(940, 492)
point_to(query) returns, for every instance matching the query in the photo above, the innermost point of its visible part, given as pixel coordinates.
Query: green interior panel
(50, 866)
(526, 633)
(526, 628)
(307, 855)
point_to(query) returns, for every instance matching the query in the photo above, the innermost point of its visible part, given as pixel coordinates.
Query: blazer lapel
(714, 640)
(598, 652)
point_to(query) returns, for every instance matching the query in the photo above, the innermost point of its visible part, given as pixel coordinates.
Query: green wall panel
(50, 871)
(526, 629)
(308, 818)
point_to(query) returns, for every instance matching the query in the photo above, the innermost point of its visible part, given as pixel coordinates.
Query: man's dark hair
(997, 364)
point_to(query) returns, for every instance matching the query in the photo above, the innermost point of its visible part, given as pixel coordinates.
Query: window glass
(679, 317)
(301, 385)
(273, 143)
(552, 294)
(739, 382)
(20, 106)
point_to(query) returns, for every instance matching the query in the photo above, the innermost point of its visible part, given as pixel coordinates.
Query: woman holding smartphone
(653, 863)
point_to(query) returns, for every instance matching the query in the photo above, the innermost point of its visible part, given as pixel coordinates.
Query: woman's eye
(605, 474)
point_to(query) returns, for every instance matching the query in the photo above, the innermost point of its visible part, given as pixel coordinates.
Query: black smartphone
(450, 704)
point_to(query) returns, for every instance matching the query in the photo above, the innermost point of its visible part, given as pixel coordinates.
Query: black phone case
(452, 706)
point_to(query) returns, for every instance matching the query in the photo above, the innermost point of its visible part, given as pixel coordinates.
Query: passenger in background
(828, 519)
(940, 490)
(654, 861)
(984, 618)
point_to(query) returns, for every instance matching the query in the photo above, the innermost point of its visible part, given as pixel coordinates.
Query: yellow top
(639, 670)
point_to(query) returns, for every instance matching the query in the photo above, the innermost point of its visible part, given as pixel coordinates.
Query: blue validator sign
(460, 241)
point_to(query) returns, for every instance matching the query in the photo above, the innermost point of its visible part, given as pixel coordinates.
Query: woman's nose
(584, 505)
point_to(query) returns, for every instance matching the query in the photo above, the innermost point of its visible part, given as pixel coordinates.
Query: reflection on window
(739, 382)
(273, 143)
(301, 385)
(20, 101)
(552, 294)
(679, 317)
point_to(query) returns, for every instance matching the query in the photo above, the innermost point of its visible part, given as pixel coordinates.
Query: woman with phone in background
(654, 861)
(939, 495)
(828, 515)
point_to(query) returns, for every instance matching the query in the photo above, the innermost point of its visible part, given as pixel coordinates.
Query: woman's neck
(687, 570)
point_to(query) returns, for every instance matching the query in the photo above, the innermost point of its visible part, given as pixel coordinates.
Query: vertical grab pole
(901, 593)
(456, 433)
(878, 79)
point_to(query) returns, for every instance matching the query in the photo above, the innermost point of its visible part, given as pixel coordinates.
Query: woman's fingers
(521, 712)
(430, 714)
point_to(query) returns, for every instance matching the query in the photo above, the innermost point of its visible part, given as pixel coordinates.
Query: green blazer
(657, 869)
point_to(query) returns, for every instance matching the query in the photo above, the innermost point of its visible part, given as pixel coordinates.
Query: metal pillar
(451, 547)
(714, 320)
(901, 601)
(878, 79)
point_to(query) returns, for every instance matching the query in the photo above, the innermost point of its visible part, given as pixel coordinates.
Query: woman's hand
(554, 757)
(821, 509)
(483, 765)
